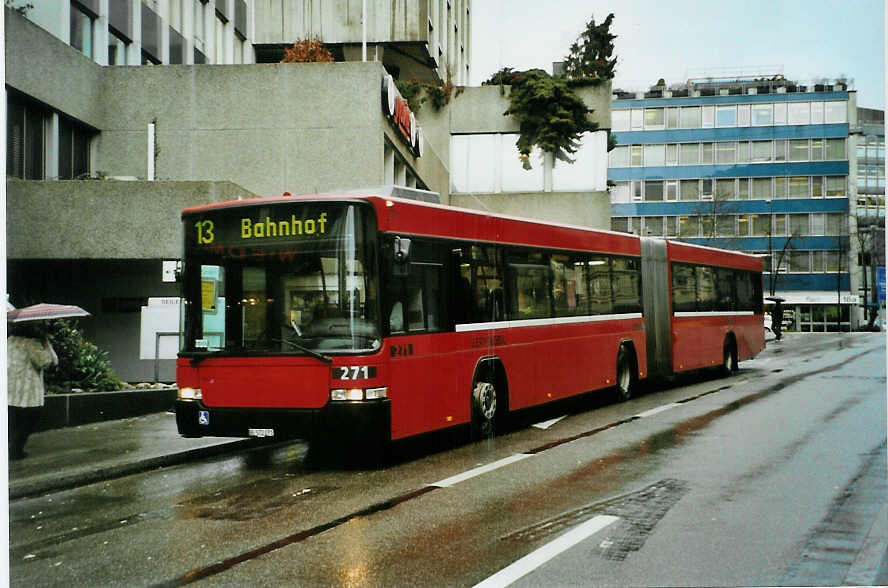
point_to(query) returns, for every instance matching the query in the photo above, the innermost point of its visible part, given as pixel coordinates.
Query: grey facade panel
(151, 32)
(92, 219)
(120, 18)
(48, 70)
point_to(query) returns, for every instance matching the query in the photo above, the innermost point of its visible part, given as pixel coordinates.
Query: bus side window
(627, 285)
(684, 287)
(600, 296)
(424, 297)
(727, 297)
(707, 297)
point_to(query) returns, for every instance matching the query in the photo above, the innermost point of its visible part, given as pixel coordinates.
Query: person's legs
(16, 426)
(22, 422)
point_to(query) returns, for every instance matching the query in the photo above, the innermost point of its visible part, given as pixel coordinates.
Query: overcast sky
(802, 39)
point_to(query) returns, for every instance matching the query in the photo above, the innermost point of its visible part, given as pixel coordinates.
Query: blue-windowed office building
(760, 166)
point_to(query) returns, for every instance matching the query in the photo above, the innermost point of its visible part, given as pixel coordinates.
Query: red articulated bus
(378, 318)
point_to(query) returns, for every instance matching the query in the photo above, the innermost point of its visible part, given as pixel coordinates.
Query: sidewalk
(76, 456)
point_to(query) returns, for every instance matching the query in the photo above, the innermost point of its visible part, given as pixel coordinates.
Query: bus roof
(418, 218)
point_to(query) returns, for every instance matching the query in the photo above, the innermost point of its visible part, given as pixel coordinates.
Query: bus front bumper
(364, 421)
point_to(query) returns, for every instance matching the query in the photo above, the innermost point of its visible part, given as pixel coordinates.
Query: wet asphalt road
(774, 476)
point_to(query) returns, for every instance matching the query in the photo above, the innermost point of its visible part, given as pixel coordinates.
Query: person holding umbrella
(29, 353)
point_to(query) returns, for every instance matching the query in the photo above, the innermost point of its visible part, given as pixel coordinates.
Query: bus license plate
(261, 432)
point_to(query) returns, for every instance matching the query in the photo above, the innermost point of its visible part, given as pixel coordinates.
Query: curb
(66, 481)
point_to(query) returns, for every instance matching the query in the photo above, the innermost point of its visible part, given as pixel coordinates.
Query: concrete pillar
(51, 147)
(100, 35)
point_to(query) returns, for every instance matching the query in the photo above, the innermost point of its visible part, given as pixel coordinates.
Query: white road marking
(546, 424)
(535, 559)
(657, 410)
(447, 482)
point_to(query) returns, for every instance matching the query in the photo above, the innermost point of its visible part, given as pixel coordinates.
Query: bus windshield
(296, 278)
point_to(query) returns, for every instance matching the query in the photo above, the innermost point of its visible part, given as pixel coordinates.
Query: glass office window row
(721, 152)
(735, 225)
(808, 262)
(771, 188)
(730, 115)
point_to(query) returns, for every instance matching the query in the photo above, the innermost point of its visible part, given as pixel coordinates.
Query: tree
(590, 56)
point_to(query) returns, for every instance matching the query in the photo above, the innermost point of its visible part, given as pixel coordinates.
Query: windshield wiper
(306, 350)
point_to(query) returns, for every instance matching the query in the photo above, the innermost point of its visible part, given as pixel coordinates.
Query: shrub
(307, 51)
(81, 363)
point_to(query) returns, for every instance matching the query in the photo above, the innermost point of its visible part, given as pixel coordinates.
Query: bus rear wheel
(483, 409)
(729, 358)
(626, 376)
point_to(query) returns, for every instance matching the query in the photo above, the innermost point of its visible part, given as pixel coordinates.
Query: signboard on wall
(401, 117)
(159, 332)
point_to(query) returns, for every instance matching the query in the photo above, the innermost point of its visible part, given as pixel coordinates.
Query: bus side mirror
(401, 250)
(401, 254)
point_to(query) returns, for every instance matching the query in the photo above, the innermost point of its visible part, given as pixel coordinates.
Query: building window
(743, 115)
(798, 187)
(799, 113)
(798, 150)
(724, 190)
(619, 157)
(689, 190)
(688, 226)
(653, 191)
(817, 113)
(636, 155)
(116, 49)
(655, 155)
(726, 116)
(690, 117)
(654, 119)
(672, 121)
(689, 153)
(835, 186)
(762, 115)
(25, 123)
(708, 116)
(835, 149)
(835, 112)
(637, 119)
(151, 33)
(761, 151)
(620, 120)
(177, 47)
(81, 30)
(73, 153)
(761, 188)
(780, 113)
(707, 153)
(799, 225)
(726, 152)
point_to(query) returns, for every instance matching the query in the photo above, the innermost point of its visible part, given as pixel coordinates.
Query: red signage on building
(401, 116)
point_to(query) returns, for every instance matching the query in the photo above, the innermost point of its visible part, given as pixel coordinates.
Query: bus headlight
(190, 394)
(341, 394)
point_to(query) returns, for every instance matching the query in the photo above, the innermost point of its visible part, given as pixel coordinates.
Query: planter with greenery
(551, 116)
(82, 365)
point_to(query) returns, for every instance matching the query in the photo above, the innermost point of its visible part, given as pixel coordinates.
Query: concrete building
(101, 159)
(763, 165)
